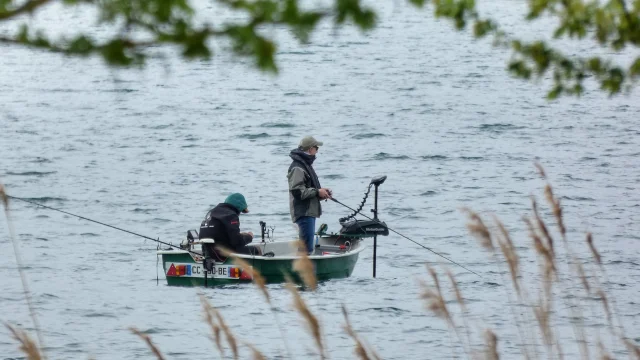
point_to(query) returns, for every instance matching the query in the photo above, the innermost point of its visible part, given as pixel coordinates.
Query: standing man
(305, 191)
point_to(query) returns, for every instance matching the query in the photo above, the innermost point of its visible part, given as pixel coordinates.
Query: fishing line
(101, 223)
(413, 241)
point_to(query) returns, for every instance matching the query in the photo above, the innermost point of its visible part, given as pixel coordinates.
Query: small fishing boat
(196, 263)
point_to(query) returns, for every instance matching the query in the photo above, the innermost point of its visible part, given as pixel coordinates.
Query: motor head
(377, 181)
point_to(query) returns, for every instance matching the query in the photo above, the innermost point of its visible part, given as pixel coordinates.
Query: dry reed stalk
(311, 320)
(577, 318)
(549, 268)
(509, 253)
(257, 278)
(594, 252)
(463, 307)
(456, 289)
(23, 277)
(436, 303)
(27, 345)
(477, 228)
(557, 210)
(555, 203)
(633, 348)
(147, 339)
(303, 266)
(492, 345)
(603, 352)
(228, 334)
(605, 304)
(583, 277)
(361, 350)
(598, 259)
(543, 227)
(542, 312)
(508, 250)
(260, 281)
(4, 197)
(211, 320)
(541, 171)
(255, 353)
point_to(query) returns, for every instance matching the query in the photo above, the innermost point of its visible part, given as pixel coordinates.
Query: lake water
(153, 150)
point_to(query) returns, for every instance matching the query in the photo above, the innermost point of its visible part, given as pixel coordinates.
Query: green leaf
(577, 89)
(351, 9)
(555, 92)
(418, 3)
(3, 5)
(634, 70)
(264, 51)
(114, 53)
(595, 65)
(81, 45)
(195, 46)
(306, 24)
(482, 28)
(23, 34)
(519, 69)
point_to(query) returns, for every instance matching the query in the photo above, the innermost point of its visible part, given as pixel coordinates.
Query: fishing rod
(101, 223)
(413, 241)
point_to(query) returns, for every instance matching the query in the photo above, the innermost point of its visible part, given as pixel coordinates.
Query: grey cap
(308, 142)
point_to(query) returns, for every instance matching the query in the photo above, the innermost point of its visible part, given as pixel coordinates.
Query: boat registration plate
(197, 270)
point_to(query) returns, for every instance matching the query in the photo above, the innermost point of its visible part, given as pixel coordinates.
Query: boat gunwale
(357, 250)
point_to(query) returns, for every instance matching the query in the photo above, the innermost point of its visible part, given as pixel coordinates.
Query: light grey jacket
(303, 190)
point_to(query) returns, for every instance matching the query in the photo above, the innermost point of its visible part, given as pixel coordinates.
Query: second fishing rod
(376, 182)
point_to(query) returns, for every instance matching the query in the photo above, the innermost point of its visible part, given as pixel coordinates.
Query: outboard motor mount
(364, 228)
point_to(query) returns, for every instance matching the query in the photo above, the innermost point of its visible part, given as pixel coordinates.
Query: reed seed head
(312, 322)
(27, 345)
(492, 345)
(147, 339)
(360, 350)
(257, 278)
(456, 289)
(478, 229)
(540, 169)
(210, 318)
(4, 197)
(255, 353)
(509, 253)
(303, 266)
(594, 252)
(557, 209)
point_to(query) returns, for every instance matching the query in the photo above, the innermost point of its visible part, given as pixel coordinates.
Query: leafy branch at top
(144, 24)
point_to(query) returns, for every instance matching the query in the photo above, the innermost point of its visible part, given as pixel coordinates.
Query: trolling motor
(366, 228)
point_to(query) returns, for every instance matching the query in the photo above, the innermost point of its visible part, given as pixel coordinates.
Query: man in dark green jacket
(222, 224)
(305, 191)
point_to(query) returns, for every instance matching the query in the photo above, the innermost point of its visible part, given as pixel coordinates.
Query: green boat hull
(181, 269)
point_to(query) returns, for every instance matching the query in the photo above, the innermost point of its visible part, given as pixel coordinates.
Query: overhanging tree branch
(27, 7)
(613, 25)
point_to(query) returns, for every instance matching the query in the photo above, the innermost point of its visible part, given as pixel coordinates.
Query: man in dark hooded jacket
(222, 224)
(305, 191)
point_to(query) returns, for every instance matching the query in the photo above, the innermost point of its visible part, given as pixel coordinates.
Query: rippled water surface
(152, 150)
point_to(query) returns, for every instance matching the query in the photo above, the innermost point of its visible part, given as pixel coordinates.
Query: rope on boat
(101, 223)
(413, 241)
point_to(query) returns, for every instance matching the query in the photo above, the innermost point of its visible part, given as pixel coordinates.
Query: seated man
(222, 224)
